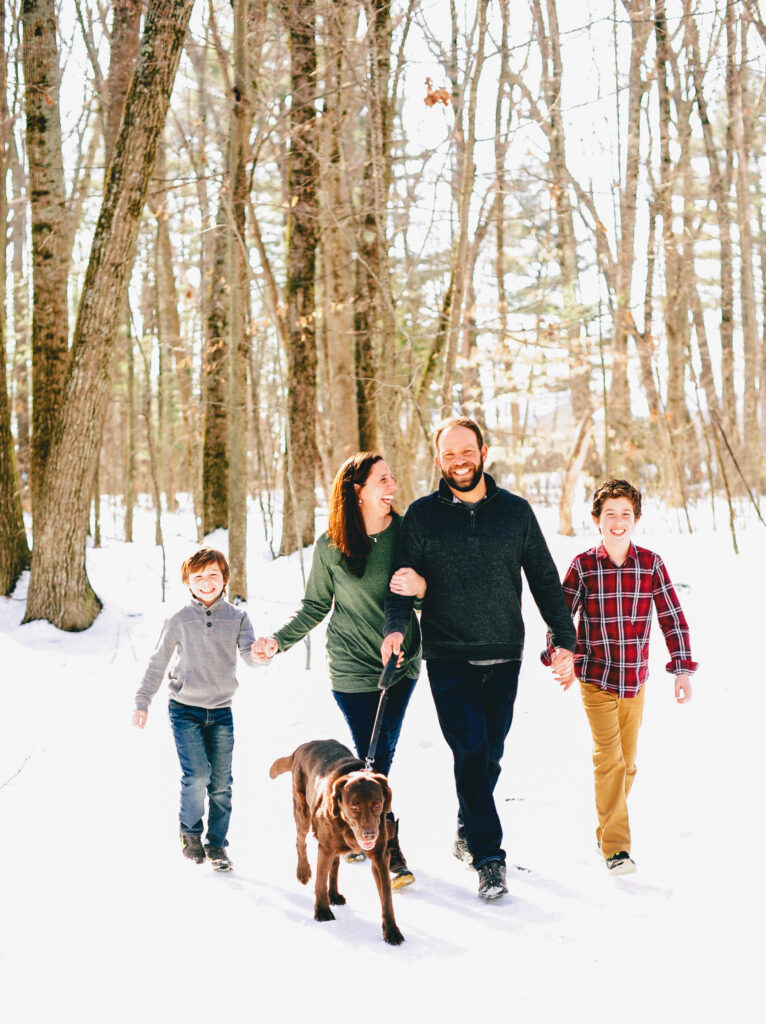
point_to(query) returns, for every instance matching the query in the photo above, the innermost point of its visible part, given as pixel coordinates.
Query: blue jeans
(205, 743)
(359, 710)
(474, 704)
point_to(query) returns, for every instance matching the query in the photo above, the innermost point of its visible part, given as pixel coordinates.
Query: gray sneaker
(620, 863)
(492, 880)
(461, 851)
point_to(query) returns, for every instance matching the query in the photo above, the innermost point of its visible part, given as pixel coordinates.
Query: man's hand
(562, 663)
(264, 648)
(407, 583)
(139, 718)
(683, 688)
(392, 644)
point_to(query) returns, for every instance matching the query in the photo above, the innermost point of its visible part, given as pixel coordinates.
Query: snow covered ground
(103, 921)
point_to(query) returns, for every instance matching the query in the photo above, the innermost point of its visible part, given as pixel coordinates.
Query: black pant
(359, 710)
(475, 708)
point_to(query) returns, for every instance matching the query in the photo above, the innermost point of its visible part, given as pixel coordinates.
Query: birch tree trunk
(59, 589)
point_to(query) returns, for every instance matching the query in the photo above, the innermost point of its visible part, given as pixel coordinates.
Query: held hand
(392, 644)
(139, 718)
(407, 583)
(562, 663)
(264, 648)
(683, 688)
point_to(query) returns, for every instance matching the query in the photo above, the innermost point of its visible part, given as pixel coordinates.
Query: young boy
(202, 640)
(612, 588)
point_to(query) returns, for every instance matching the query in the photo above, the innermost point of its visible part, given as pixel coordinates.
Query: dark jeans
(475, 708)
(205, 743)
(359, 710)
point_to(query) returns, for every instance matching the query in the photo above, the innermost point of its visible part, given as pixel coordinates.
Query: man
(470, 540)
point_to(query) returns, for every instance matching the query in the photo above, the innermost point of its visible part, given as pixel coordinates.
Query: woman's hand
(408, 583)
(139, 718)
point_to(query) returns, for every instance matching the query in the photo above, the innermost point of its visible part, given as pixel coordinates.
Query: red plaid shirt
(612, 607)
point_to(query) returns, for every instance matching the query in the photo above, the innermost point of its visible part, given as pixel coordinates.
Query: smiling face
(376, 494)
(461, 461)
(616, 523)
(207, 583)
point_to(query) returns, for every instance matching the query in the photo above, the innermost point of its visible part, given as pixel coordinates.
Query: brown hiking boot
(397, 865)
(219, 858)
(192, 848)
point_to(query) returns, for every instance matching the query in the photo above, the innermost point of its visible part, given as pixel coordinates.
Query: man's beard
(465, 483)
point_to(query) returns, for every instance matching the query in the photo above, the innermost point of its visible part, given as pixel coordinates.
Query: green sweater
(355, 630)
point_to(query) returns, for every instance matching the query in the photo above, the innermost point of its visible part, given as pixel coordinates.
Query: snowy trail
(103, 920)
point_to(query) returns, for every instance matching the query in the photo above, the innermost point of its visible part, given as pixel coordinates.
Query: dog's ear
(382, 781)
(336, 795)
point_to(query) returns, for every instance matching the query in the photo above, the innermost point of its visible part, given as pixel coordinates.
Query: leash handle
(386, 677)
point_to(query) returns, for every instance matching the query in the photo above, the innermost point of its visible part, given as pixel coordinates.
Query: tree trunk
(339, 414)
(298, 526)
(215, 437)
(50, 255)
(238, 319)
(14, 552)
(59, 589)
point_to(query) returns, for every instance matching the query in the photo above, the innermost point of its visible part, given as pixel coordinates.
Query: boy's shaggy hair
(203, 557)
(615, 489)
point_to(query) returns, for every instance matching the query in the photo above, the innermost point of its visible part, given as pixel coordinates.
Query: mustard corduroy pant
(614, 723)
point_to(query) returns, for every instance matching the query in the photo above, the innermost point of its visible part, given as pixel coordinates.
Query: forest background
(244, 239)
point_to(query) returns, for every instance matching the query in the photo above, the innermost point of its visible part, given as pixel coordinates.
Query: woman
(350, 573)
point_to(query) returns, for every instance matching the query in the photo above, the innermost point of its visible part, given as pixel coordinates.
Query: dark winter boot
(219, 858)
(192, 848)
(397, 865)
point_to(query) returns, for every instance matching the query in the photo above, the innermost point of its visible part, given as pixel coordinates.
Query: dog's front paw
(336, 899)
(392, 935)
(323, 914)
(303, 873)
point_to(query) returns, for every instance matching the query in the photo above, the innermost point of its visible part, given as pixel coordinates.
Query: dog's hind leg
(335, 897)
(322, 910)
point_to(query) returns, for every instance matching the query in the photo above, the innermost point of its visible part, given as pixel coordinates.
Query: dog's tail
(281, 765)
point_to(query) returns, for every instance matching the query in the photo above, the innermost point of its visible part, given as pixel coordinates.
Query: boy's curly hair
(615, 489)
(203, 557)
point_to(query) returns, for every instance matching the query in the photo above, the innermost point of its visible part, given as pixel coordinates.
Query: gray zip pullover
(201, 646)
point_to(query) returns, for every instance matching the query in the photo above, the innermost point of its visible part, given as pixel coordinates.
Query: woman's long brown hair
(346, 525)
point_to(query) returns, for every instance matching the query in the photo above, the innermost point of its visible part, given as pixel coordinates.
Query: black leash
(386, 678)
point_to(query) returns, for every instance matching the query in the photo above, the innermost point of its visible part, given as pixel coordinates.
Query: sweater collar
(215, 606)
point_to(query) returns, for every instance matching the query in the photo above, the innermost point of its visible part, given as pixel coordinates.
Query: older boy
(202, 640)
(612, 589)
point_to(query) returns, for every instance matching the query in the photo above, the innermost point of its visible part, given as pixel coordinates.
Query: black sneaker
(461, 851)
(192, 848)
(219, 858)
(621, 863)
(492, 880)
(397, 865)
(354, 858)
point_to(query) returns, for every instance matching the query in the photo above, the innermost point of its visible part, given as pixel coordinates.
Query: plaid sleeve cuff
(681, 667)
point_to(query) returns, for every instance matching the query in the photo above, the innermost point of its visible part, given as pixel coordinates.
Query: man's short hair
(203, 557)
(615, 489)
(458, 421)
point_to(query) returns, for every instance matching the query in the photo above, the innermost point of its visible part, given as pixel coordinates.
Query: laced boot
(397, 865)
